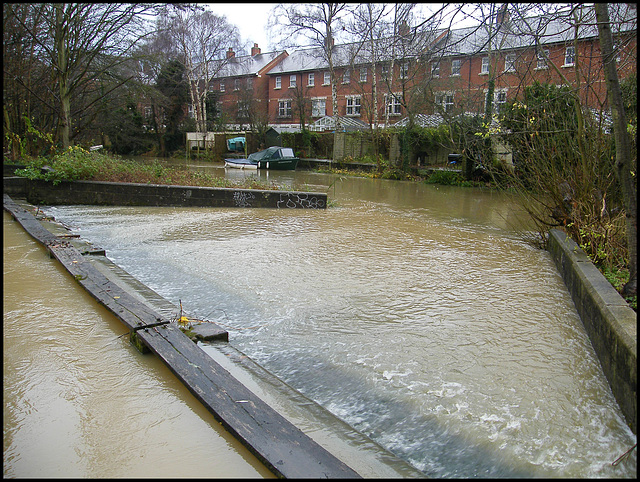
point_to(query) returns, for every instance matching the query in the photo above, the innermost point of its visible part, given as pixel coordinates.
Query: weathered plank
(284, 448)
(277, 443)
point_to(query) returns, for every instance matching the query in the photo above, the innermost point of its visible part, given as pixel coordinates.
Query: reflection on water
(81, 402)
(415, 313)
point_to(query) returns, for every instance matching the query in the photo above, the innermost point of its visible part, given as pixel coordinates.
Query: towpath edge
(275, 441)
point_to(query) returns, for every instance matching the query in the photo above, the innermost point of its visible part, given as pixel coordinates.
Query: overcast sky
(251, 18)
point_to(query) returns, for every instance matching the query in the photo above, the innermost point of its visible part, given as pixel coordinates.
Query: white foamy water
(414, 313)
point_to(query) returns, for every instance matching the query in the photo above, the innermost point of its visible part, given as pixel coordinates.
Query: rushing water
(415, 313)
(80, 401)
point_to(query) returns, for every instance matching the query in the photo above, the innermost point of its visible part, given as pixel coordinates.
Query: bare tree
(301, 104)
(26, 79)
(624, 162)
(203, 39)
(367, 27)
(318, 24)
(81, 42)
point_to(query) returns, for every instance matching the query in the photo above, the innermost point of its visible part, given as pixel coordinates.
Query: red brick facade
(425, 84)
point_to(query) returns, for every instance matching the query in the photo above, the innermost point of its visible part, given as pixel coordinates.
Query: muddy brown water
(81, 402)
(417, 314)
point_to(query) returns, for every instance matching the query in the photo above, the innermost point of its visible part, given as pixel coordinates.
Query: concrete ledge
(611, 325)
(135, 194)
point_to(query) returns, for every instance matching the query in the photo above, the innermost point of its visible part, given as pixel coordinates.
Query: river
(417, 314)
(80, 401)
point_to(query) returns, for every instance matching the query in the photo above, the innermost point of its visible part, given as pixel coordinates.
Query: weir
(321, 232)
(281, 446)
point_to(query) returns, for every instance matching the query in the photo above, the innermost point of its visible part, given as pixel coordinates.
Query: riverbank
(611, 325)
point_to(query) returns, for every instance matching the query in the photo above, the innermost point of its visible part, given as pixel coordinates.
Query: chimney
(230, 53)
(502, 16)
(403, 29)
(255, 50)
(329, 43)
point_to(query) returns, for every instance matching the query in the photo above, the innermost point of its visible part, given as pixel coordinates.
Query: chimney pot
(255, 50)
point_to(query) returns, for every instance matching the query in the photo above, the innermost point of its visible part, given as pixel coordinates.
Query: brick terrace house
(446, 71)
(243, 87)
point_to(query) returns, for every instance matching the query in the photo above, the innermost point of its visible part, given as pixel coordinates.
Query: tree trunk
(623, 148)
(62, 73)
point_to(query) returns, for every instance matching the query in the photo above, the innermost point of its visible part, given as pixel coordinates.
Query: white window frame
(249, 83)
(327, 78)
(293, 81)
(363, 74)
(499, 99)
(541, 60)
(435, 69)
(404, 70)
(318, 106)
(354, 104)
(394, 106)
(236, 84)
(311, 79)
(456, 70)
(510, 63)
(222, 86)
(278, 82)
(384, 71)
(346, 76)
(484, 69)
(569, 56)
(445, 100)
(284, 108)
(243, 109)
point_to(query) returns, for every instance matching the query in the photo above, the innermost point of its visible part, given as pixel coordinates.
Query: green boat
(274, 158)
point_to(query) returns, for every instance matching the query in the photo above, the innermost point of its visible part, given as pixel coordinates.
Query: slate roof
(348, 124)
(516, 33)
(519, 33)
(423, 120)
(245, 65)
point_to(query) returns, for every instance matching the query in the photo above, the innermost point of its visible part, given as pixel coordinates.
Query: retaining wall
(611, 325)
(133, 194)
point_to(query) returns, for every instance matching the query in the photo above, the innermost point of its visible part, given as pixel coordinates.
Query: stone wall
(611, 324)
(133, 194)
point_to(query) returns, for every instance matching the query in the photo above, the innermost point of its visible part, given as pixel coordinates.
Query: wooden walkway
(275, 441)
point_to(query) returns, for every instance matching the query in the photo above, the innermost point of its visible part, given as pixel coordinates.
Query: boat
(273, 158)
(236, 144)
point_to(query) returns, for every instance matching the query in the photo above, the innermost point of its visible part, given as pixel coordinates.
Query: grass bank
(77, 164)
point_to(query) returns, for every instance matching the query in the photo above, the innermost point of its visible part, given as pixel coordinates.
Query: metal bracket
(151, 325)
